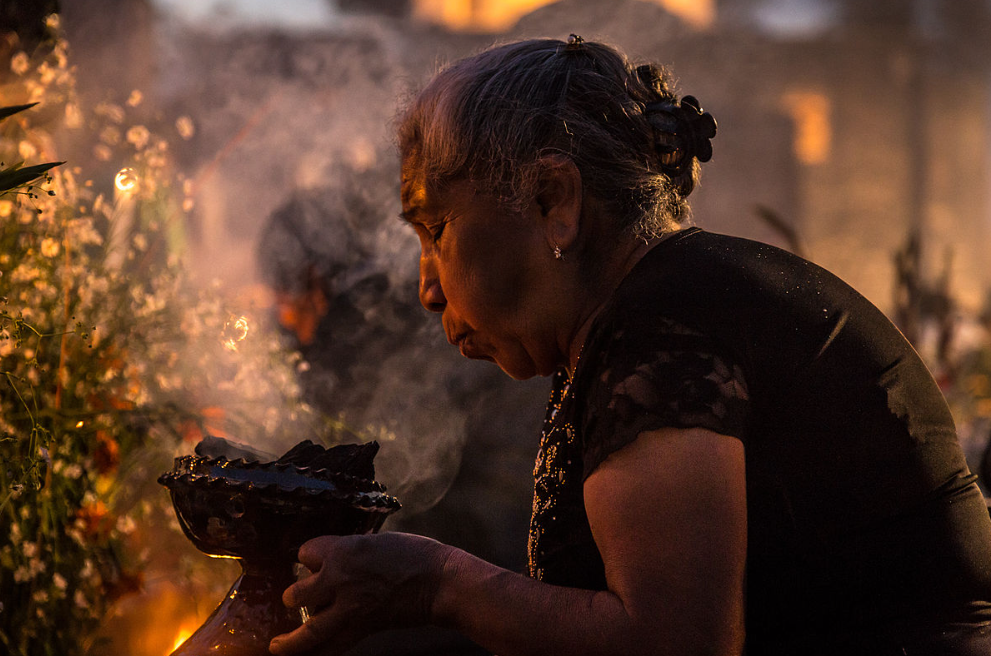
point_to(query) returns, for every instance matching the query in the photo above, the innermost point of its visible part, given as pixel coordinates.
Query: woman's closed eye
(436, 231)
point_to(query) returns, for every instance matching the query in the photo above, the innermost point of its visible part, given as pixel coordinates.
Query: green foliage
(111, 363)
(16, 177)
(14, 109)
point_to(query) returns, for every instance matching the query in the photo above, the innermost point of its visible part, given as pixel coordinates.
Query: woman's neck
(615, 267)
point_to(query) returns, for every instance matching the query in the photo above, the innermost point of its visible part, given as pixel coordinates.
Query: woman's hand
(668, 513)
(362, 584)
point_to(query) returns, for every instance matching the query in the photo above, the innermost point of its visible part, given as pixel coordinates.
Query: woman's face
(482, 268)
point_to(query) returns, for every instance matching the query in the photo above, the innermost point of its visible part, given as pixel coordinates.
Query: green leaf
(15, 177)
(13, 109)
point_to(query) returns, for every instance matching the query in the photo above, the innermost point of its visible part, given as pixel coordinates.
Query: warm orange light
(214, 418)
(810, 112)
(235, 330)
(697, 13)
(499, 15)
(181, 637)
(126, 179)
(476, 15)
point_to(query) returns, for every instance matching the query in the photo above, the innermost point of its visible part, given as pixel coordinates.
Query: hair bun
(682, 132)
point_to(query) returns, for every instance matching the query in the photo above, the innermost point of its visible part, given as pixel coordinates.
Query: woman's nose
(431, 294)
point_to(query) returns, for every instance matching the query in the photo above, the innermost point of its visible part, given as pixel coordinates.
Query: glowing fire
(235, 330)
(126, 179)
(181, 637)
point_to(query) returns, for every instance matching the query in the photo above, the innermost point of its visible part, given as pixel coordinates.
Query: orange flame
(184, 634)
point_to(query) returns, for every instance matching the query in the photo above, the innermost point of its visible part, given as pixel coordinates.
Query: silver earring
(558, 255)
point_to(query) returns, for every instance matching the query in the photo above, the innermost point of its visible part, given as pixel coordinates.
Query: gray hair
(492, 116)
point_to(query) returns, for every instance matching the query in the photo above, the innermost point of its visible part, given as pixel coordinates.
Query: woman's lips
(468, 348)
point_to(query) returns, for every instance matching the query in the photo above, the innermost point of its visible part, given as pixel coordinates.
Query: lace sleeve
(663, 375)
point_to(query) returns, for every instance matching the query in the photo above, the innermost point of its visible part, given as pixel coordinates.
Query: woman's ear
(559, 200)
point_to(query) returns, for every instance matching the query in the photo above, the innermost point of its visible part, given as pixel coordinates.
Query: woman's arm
(668, 513)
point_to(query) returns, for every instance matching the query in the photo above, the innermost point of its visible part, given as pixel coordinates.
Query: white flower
(19, 63)
(26, 150)
(29, 549)
(80, 599)
(76, 534)
(40, 596)
(184, 125)
(135, 98)
(22, 274)
(125, 525)
(73, 471)
(114, 112)
(110, 135)
(46, 73)
(36, 567)
(49, 247)
(52, 21)
(59, 581)
(102, 152)
(138, 135)
(81, 231)
(22, 574)
(73, 117)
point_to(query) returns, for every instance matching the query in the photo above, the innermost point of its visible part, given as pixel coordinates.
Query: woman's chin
(517, 370)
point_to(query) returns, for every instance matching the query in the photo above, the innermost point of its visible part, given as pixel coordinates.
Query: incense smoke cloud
(295, 181)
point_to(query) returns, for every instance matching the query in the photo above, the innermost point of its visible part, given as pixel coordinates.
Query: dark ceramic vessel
(261, 513)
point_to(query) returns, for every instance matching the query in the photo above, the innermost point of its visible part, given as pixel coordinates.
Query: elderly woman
(740, 451)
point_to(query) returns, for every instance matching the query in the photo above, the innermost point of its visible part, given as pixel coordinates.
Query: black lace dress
(866, 531)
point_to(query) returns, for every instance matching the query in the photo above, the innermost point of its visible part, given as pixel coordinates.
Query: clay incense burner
(230, 504)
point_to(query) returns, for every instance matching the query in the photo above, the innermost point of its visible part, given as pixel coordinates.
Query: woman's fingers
(317, 590)
(311, 592)
(303, 639)
(314, 552)
(362, 584)
(324, 630)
